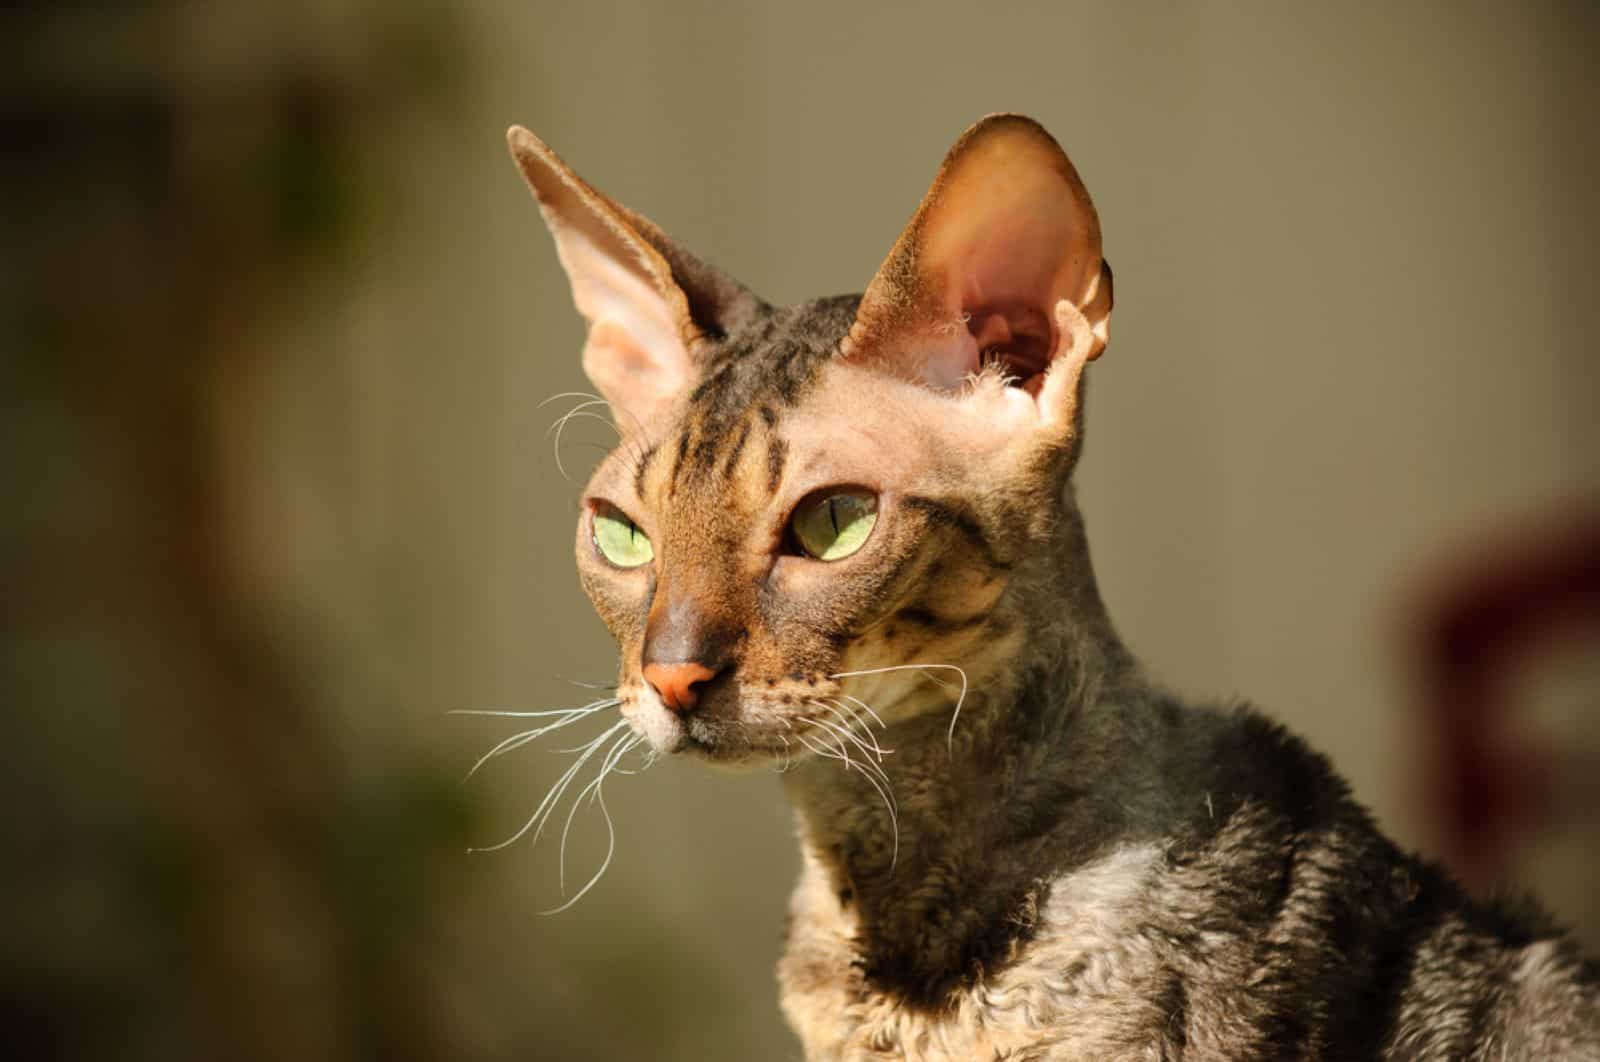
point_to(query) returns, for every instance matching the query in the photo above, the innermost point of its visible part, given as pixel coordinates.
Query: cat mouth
(726, 739)
(726, 742)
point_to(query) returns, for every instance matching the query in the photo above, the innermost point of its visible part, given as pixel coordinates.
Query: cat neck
(944, 883)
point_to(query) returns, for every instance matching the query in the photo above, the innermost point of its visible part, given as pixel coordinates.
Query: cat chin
(665, 731)
(724, 757)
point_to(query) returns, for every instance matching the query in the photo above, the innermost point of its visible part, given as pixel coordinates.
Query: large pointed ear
(1000, 264)
(652, 307)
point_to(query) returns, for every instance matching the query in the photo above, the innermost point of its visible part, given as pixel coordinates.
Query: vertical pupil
(833, 516)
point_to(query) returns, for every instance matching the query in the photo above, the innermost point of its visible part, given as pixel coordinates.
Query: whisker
(569, 394)
(867, 750)
(618, 750)
(580, 413)
(611, 848)
(866, 708)
(568, 716)
(855, 721)
(542, 813)
(846, 715)
(581, 684)
(866, 766)
(543, 714)
(507, 714)
(626, 445)
(632, 447)
(588, 751)
(894, 815)
(571, 749)
(637, 424)
(612, 746)
(645, 764)
(555, 427)
(951, 736)
(516, 741)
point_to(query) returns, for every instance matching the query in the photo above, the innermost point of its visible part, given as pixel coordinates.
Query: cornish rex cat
(850, 524)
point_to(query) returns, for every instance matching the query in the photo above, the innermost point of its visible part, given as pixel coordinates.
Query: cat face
(806, 494)
(793, 538)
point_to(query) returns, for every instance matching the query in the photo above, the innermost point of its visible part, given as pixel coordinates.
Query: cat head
(858, 484)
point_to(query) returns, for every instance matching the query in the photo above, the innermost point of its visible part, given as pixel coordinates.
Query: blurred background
(278, 323)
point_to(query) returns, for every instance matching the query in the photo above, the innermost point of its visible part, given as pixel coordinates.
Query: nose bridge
(676, 627)
(702, 595)
(691, 620)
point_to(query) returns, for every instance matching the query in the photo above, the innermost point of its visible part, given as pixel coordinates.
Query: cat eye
(834, 525)
(619, 539)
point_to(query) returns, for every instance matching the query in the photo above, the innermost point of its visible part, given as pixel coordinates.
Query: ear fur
(1000, 264)
(651, 305)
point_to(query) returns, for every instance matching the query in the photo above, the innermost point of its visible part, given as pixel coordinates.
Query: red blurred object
(1513, 602)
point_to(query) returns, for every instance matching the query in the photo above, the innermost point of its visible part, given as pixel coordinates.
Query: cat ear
(652, 307)
(1000, 263)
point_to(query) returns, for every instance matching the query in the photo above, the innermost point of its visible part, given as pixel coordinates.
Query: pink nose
(676, 683)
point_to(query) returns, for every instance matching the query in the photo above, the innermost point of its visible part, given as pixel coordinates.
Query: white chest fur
(1067, 995)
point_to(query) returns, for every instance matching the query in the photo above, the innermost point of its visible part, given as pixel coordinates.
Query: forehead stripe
(677, 461)
(777, 454)
(642, 469)
(737, 449)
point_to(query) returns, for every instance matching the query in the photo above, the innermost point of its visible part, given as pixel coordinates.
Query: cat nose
(676, 683)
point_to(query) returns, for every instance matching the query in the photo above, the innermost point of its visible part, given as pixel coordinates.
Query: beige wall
(1353, 335)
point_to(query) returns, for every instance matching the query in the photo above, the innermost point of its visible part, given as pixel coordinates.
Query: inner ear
(1005, 235)
(1012, 338)
(1017, 339)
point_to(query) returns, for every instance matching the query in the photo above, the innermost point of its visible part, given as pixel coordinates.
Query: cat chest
(1083, 986)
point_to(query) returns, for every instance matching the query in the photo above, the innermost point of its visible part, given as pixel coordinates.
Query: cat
(850, 524)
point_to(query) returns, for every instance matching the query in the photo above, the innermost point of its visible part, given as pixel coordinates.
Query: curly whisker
(865, 707)
(866, 766)
(950, 738)
(855, 720)
(564, 717)
(844, 758)
(621, 748)
(560, 426)
(569, 394)
(536, 822)
(632, 447)
(871, 751)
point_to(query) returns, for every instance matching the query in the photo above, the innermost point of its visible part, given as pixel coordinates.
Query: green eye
(619, 539)
(833, 526)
